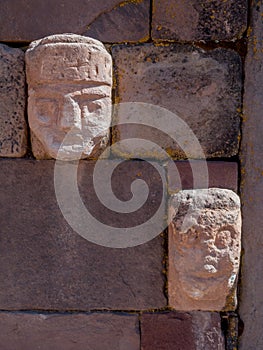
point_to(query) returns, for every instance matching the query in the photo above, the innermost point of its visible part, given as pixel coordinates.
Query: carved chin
(203, 288)
(71, 147)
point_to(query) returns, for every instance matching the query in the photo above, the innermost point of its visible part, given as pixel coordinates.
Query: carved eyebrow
(90, 96)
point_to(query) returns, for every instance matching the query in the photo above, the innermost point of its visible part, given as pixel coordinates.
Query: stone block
(180, 331)
(194, 20)
(129, 21)
(204, 249)
(109, 21)
(45, 265)
(98, 331)
(251, 297)
(200, 88)
(13, 128)
(191, 175)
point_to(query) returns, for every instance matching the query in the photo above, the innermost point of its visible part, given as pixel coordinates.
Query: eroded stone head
(204, 249)
(69, 79)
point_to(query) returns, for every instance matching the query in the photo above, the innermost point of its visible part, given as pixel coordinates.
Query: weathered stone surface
(69, 79)
(191, 175)
(204, 249)
(111, 20)
(13, 129)
(127, 22)
(180, 331)
(251, 302)
(207, 331)
(45, 265)
(202, 88)
(68, 332)
(194, 20)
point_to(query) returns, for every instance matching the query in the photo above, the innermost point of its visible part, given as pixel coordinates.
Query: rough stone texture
(204, 249)
(251, 301)
(181, 331)
(68, 332)
(108, 21)
(45, 265)
(69, 80)
(190, 175)
(194, 20)
(13, 129)
(203, 88)
(127, 22)
(207, 331)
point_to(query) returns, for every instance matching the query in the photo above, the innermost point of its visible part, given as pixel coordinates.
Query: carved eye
(192, 235)
(90, 107)
(94, 106)
(223, 239)
(46, 111)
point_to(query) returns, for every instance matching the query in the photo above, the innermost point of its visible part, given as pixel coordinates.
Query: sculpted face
(205, 248)
(69, 80)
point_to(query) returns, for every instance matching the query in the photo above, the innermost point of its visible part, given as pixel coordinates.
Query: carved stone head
(69, 79)
(204, 249)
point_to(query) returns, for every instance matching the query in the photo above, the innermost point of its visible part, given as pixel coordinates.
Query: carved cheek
(46, 112)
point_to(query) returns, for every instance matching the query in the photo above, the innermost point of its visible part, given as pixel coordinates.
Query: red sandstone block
(68, 331)
(108, 21)
(187, 175)
(181, 331)
(194, 20)
(46, 265)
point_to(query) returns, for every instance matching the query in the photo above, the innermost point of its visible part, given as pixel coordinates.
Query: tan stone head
(69, 79)
(204, 248)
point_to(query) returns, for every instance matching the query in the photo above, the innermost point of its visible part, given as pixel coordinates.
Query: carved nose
(70, 115)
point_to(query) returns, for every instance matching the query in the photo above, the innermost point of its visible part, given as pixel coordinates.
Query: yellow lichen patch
(127, 2)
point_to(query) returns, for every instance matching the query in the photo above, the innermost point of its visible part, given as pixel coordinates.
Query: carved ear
(37, 147)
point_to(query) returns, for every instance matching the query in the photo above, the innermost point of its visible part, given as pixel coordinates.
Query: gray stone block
(203, 88)
(13, 128)
(195, 20)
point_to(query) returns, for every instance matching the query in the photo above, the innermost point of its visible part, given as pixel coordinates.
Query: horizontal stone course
(201, 88)
(98, 331)
(181, 331)
(195, 20)
(45, 265)
(108, 21)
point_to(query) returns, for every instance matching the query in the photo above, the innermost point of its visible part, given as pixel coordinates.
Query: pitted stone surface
(108, 21)
(13, 128)
(69, 79)
(194, 20)
(181, 331)
(45, 265)
(202, 88)
(204, 249)
(98, 331)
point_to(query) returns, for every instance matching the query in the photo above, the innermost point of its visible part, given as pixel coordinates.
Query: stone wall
(189, 74)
